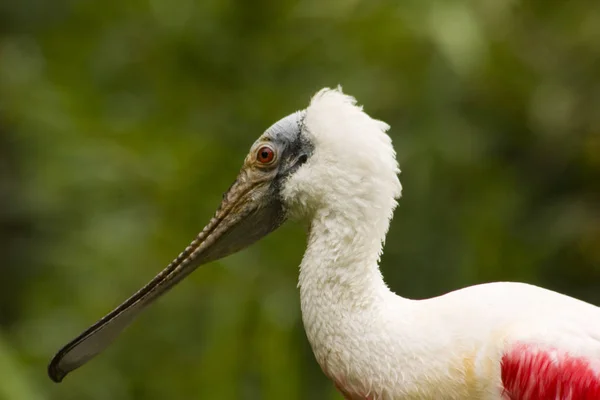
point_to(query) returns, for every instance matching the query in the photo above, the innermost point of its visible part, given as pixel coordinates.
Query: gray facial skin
(250, 209)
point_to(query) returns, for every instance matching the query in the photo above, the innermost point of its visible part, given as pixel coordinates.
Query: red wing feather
(530, 373)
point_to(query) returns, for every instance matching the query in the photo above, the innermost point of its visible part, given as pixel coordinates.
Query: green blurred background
(122, 122)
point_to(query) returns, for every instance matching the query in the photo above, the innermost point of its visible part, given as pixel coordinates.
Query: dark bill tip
(54, 372)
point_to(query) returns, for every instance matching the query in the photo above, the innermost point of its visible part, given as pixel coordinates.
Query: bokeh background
(122, 122)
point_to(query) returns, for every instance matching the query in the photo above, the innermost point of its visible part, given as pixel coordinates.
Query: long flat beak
(249, 211)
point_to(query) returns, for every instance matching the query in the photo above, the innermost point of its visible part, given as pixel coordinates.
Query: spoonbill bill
(334, 167)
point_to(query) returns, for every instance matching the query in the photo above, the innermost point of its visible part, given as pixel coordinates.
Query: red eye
(265, 155)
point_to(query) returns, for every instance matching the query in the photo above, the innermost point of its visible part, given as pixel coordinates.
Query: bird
(334, 167)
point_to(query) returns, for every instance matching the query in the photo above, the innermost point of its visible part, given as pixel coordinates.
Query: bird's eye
(265, 155)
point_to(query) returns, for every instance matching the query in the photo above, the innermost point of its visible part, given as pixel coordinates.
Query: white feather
(371, 342)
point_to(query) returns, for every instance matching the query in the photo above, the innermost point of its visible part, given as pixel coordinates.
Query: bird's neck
(343, 296)
(339, 274)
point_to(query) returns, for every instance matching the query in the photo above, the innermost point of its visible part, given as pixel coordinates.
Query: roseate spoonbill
(334, 167)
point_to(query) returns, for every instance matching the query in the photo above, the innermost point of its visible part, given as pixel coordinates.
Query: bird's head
(330, 156)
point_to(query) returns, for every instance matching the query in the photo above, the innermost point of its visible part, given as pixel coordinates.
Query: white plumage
(375, 344)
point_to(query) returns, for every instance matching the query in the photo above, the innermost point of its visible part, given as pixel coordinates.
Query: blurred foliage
(121, 123)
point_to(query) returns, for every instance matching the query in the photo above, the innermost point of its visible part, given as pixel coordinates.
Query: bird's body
(468, 344)
(334, 167)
